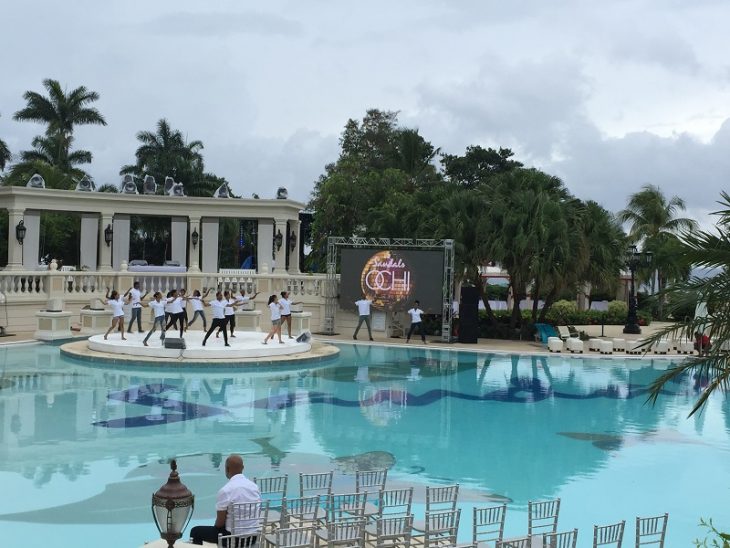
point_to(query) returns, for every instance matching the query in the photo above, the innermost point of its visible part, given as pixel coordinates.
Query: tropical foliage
(710, 250)
(5, 155)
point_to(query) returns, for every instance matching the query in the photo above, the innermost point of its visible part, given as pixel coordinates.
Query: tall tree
(60, 112)
(165, 152)
(654, 222)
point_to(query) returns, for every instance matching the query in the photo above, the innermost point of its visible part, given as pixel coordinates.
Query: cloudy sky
(608, 96)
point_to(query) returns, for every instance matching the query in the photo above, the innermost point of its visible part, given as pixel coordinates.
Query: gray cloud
(218, 24)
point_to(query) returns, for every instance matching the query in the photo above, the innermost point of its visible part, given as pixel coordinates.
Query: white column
(209, 243)
(280, 253)
(31, 244)
(105, 250)
(15, 250)
(294, 228)
(264, 245)
(194, 248)
(87, 246)
(120, 244)
(179, 240)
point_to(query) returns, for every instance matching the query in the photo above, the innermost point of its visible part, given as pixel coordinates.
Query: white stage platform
(245, 345)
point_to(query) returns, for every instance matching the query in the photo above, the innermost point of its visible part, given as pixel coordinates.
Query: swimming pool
(82, 448)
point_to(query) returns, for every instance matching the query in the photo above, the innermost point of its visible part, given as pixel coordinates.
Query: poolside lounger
(660, 347)
(685, 347)
(635, 347)
(619, 345)
(555, 344)
(594, 344)
(574, 345)
(605, 347)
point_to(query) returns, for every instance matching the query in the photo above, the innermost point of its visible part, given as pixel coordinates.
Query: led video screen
(392, 278)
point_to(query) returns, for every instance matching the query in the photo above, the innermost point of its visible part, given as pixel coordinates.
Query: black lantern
(633, 260)
(172, 507)
(195, 237)
(108, 235)
(20, 231)
(278, 240)
(292, 241)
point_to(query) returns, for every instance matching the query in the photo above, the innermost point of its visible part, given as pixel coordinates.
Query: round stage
(245, 347)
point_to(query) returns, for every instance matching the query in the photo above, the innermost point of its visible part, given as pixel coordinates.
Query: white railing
(37, 285)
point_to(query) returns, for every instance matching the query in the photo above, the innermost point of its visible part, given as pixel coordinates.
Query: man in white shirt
(239, 489)
(218, 306)
(363, 310)
(415, 314)
(136, 298)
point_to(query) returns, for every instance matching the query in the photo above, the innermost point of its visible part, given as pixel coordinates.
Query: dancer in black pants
(416, 322)
(177, 314)
(218, 307)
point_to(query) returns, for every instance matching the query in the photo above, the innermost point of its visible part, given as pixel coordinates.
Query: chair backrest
(441, 528)
(542, 516)
(248, 518)
(272, 489)
(393, 531)
(488, 524)
(346, 533)
(299, 537)
(345, 505)
(302, 510)
(521, 542)
(315, 484)
(370, 481)
(395, 502)
(442, 499)
(566, 539)
(604, 535)
(651, 531)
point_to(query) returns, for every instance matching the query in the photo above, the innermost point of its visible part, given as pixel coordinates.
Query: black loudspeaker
(304, 337)
(174, 342)
(469, 315)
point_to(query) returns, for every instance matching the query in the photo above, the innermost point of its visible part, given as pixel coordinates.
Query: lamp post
(633, 260)
(172, 507)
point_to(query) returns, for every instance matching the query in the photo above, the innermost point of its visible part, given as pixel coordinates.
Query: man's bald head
(234, 465)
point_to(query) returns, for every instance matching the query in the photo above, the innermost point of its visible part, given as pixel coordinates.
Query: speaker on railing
(469, 315)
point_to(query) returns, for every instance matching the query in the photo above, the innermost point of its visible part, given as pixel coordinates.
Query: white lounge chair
(555, 344)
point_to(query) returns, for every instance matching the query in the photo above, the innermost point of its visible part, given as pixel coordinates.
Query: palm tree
(710, 250)
(5, 155)
(60, 111)
(46, 150)
(655, 224)
(165, 152)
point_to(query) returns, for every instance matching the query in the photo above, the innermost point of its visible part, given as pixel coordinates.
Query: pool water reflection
(82, 448)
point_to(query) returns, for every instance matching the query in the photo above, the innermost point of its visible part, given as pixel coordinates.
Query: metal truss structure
(334, 243)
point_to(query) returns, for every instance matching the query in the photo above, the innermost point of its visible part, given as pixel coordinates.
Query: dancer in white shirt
(116, 302)
(218, 306)
(286, 305)
(229, 313)
(275, 309)
(158, 308)
(177, 314)
(363, 311)
(136, 298)
(198, 308)
(415, 314)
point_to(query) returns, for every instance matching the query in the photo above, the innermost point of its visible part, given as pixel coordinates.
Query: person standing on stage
(286, 305)
(158, 309)
(218, 306)
(363, 310)
(415, 314)
(198, 304)
(116, 302)
(177, 314)
(136, 298)
(275, 309)
(230, 314)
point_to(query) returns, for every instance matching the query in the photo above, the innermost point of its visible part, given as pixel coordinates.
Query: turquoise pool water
(82, 448)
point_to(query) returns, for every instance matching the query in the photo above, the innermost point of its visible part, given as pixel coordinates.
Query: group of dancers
(171, 311)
